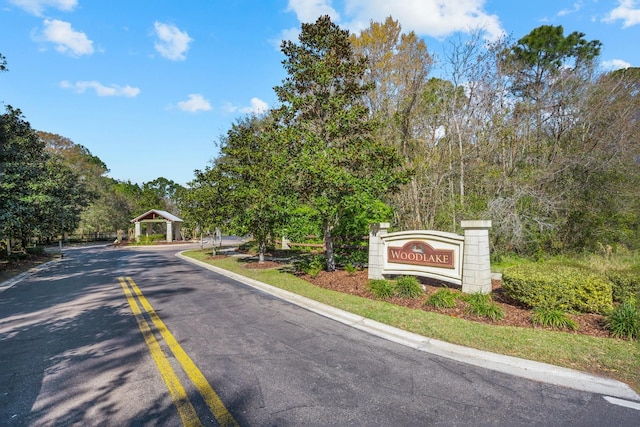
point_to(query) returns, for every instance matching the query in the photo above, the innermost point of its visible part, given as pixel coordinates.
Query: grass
(614, 358)
(552, 318)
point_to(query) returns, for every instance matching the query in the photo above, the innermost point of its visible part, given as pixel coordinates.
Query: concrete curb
(523, 368)
(20, 277)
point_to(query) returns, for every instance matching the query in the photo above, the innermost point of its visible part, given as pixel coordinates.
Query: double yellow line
(178, 394)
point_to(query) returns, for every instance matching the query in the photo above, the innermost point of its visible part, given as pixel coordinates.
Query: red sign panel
(417, 252)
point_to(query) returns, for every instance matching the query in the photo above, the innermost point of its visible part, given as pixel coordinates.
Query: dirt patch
(17, 266)
(262, 266)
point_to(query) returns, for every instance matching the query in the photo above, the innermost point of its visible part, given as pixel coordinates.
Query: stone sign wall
(460, 260)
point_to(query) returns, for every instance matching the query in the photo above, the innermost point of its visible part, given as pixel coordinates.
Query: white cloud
(256, 106)
(101, 90)
(37, 7)
(615, 64)
(172, 43)
(194, 104)
(576, 7)
(436, 18)
(66, 39)
(290, 34)
(309, 10)
(626, 12)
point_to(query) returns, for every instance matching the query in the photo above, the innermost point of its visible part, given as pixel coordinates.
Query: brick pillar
(376, 249)
(476, 262)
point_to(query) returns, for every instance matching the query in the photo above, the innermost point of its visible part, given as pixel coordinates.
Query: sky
(150, 86)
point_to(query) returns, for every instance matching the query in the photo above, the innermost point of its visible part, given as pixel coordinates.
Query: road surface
(119, 336)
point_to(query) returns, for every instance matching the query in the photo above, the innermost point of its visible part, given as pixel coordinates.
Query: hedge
(560, 287)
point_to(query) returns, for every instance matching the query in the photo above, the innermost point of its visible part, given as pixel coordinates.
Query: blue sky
(149, 86)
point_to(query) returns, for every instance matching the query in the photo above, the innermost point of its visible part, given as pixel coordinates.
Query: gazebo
(173, 223)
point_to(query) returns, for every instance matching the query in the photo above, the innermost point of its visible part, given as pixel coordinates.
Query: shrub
(442, 298)
(625, 284)
(350, 268)
(482, 305)
(151, 239)
(557, 286)
(353, 256)
(408, 287)
(381, 288)
(623, 322)
(310, 265)
(552, 318)
(36, 250)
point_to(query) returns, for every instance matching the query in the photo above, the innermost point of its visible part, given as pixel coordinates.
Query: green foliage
(408, 287)
(625, 283)
(358, 214)
(302, 221)
(244, 189)
(381, 288)
(552, 318)
(150, 239)
(355, 257)
(350, 268)
(443, 298)
(36, 250)
(543, 52)
(311, 265)
(161, 193)
(482, 305)
(333, 162)
(554, 286)
(624, 320)
(40, 195)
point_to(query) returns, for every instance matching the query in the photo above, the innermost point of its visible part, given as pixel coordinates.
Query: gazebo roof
(154, 214)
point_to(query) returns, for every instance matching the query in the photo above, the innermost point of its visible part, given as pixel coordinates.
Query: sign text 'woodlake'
(417, 252)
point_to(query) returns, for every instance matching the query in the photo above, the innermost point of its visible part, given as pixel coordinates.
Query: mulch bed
(514, 315)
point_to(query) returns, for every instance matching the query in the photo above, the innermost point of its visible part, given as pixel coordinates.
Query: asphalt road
(115, 337)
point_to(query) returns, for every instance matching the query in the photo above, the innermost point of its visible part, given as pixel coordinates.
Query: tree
(245, 186)
(398, 66)
(75, 156)
(202, 203)
(550, 76)
(21, 156)
(113, 208)
(601, 171)
(540, 56)
(334, 161)
(63, 196)
(39, 195)
(161, 193)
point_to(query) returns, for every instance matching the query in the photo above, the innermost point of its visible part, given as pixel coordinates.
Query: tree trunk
(415, 196)
(328, 245)
(261, 252)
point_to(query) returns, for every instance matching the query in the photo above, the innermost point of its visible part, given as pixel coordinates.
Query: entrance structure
(173, 224)
(460, 260)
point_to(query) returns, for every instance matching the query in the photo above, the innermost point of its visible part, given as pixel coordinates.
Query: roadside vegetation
(368, 128)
